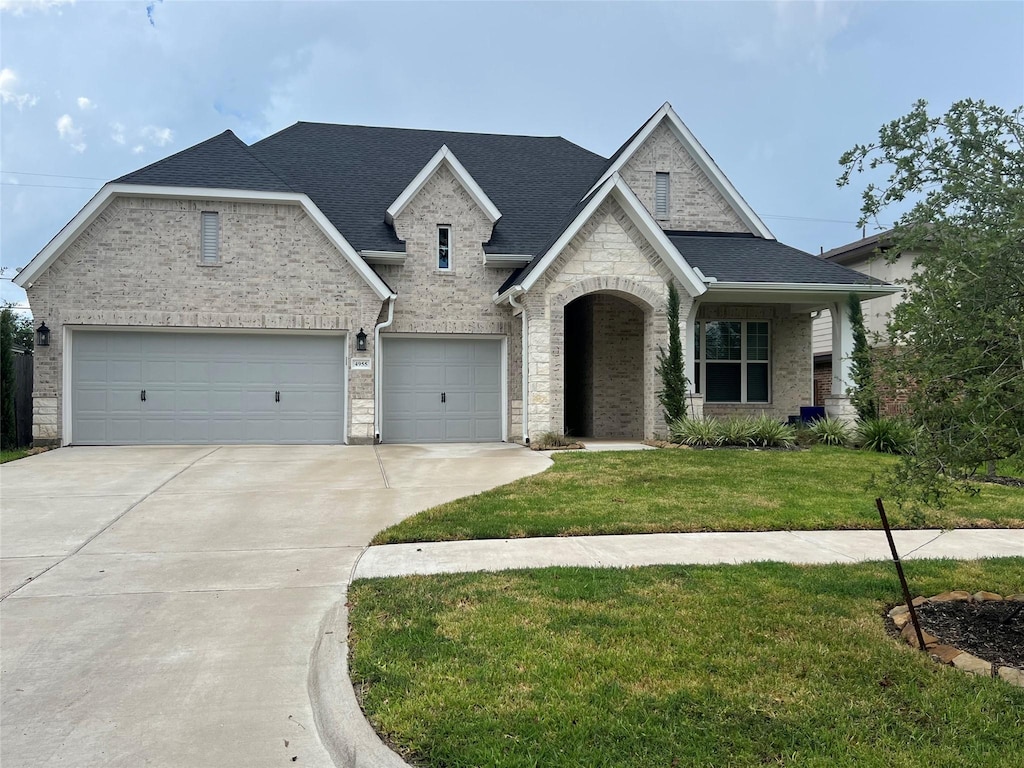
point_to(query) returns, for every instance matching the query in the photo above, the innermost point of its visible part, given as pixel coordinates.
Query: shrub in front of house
(885, 435)
(738, 430)
(697, 433)
(743, 431)
(772, 433)
(830, 431)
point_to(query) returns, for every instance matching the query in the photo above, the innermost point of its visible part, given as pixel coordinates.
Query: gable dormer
(444, 158)
(679, 182)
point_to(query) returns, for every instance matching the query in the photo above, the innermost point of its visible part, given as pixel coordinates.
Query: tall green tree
(671, 369)
(956, 182)
(863, 394)
(8, 426)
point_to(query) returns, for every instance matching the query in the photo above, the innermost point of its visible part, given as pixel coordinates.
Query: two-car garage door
(133, 387)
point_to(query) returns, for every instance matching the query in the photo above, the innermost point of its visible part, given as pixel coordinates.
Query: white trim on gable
(447, 157)
(618, 190)
(704, 161)
(109, 191)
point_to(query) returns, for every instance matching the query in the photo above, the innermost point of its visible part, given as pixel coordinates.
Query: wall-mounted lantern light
(361, 341)
(42, 335)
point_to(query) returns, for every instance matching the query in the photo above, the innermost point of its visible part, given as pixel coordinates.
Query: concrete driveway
(160, 603)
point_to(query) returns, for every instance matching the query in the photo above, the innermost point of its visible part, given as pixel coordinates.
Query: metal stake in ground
(899, 571)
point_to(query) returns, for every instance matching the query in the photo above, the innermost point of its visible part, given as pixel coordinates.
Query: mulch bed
(1013, 482)
(993, 631)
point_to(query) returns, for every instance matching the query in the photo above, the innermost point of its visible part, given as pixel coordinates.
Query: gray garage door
(441, 390)
(144, 387)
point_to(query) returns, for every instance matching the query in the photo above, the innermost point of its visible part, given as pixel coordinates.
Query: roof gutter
(514, 295)
(881, 290)
(376, 363)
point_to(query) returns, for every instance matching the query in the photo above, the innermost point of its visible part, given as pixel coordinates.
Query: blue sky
(775, 91)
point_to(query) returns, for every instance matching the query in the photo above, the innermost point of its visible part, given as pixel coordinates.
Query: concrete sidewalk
(808, 547)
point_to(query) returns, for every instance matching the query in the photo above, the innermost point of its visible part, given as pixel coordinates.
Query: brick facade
(137, 265)
(694, 202)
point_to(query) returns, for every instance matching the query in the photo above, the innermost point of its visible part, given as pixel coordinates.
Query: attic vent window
(210, 237)
(661, 195)
(444, 247)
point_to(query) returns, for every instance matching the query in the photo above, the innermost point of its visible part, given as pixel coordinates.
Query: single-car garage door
(441, 390)
(133, 387)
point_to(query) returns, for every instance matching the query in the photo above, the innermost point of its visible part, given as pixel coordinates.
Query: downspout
(376, 363)
(513, 300)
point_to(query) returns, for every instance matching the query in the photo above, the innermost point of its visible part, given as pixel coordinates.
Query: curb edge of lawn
(343, 728)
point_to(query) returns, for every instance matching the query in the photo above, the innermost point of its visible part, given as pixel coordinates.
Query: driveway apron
(160, 604)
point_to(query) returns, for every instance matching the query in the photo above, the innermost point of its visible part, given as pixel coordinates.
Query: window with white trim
(731, 361)
(444, 247)
(661, 190)
(209, 238)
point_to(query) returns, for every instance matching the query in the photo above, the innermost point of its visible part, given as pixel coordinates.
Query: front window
(444, 247)
(731, 361)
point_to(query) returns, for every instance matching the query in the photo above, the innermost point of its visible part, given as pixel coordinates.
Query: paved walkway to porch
(613, 444)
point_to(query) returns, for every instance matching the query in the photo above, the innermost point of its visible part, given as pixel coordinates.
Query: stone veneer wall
(792, 366)
(137, 265)
(459, 300)
(694, 202)
(608, 255)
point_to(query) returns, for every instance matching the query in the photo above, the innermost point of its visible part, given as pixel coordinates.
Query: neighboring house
(869, 256)
(338, 283)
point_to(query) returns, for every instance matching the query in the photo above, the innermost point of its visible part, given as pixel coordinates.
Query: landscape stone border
(947, 654)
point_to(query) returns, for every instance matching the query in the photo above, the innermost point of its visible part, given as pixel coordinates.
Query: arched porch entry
(610, 334)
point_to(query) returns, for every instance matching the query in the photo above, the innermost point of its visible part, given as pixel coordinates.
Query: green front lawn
(761, 664)
(684, 490)
(11, 455)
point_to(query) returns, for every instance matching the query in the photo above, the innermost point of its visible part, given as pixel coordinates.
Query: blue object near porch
(811, 413)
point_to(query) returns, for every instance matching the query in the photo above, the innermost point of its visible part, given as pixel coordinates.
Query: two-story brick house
(336, 283)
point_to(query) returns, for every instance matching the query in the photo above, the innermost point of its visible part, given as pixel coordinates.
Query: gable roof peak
(446, 157)
(700, 156)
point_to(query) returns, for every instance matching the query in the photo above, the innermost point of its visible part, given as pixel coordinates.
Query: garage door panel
(460, 430)
(487, 376)
(122, 401)
(123, 430)
(207, 388)
(458, 375)
(415, 374)
(124, 371)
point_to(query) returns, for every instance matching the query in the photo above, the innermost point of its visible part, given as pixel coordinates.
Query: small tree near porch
(671, 369)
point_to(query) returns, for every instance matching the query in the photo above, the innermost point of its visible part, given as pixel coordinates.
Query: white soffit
(615, 187)
(443, 156)
(109, 191)
(701, 157)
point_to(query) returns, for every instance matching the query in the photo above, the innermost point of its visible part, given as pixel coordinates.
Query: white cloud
(117, 133)
(138, 149)
(9, 90)
(20, 7)
(70, 133)
(85, 103)
(158, 137)
(795, 29)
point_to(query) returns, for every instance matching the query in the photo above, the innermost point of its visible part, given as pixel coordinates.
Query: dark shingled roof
(353, 173)
(223, 162)
(742, 258)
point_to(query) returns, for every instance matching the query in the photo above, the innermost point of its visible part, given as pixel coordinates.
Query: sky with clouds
(775, 91)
